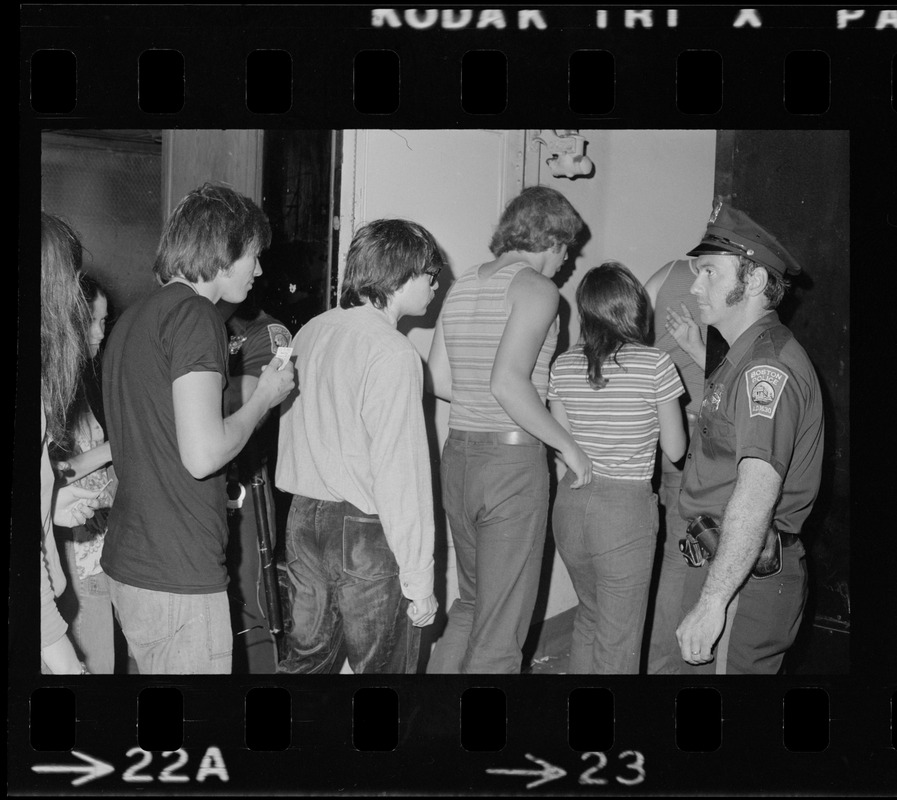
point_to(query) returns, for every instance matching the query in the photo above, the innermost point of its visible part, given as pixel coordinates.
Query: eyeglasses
(433, 275)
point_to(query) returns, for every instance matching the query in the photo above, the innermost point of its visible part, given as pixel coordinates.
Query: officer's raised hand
(687, 333)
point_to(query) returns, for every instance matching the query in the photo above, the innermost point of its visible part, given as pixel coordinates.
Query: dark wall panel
(796, 184)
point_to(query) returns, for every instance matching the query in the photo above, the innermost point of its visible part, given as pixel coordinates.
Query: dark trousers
(664, 657)
(496, 498)
(762, 620)
(344, 595)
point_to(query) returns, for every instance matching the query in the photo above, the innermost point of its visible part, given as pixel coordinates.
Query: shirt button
(704, 431)
(689, 455)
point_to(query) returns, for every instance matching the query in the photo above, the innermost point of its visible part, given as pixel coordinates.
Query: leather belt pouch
(770, 561)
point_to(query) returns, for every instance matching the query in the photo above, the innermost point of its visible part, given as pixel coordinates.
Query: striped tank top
(474, 318)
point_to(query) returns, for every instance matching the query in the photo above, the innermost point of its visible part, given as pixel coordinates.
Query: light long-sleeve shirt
(356, 432)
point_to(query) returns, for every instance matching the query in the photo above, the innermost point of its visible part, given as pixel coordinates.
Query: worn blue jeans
(87, 607)
(174, 634)
(344, 595)
(606, 534)
(496, 498)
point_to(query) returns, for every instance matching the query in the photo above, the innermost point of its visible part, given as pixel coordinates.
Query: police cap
(732, 232)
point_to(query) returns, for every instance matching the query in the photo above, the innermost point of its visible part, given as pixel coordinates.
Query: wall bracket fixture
(567, 149)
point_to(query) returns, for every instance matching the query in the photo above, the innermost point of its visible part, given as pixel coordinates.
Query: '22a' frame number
(212, 765)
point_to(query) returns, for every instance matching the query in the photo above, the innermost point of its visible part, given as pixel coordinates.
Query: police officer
(753, 468)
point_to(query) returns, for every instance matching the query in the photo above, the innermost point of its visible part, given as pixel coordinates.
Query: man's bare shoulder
(529, 285)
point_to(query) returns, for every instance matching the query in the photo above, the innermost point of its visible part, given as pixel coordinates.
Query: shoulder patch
(764, 389)
(279, 336)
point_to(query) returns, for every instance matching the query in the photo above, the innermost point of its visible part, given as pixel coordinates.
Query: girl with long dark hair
(87, 462)
(616, 396)
(64, 330)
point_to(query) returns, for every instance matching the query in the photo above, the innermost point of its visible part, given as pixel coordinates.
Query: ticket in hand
(284, 354)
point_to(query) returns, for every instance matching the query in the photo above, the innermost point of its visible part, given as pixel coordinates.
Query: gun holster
(702, 539)
(700, 542)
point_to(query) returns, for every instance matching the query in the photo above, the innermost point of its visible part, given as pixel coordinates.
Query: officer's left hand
(699, 631)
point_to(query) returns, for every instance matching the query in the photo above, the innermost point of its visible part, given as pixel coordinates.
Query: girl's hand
(581, 465)
(74, 505)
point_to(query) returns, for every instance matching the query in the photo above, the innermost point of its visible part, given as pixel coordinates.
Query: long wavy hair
(613, 311)
(64, 322)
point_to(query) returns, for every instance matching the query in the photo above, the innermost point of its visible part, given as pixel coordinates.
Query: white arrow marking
(94, 768)
(549, 772)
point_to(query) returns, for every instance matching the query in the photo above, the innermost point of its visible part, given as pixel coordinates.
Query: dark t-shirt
(167, 530)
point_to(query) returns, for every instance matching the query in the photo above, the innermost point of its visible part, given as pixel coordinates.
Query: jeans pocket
(516, 490)
(219, 634)
(366, 553)
(145, 615)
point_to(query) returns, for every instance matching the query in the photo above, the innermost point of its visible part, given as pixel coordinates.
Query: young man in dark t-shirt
(164, 372)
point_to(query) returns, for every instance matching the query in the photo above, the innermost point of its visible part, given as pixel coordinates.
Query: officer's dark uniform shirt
(763, 401)
(253, 343)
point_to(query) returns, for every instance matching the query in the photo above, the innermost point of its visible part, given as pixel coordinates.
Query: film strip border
(334, 67)
(375, 67)
(370, 735)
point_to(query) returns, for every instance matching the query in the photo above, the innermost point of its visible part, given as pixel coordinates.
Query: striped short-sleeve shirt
(473, 318)
(616, 426)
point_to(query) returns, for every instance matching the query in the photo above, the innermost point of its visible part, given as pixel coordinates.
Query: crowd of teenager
(137, 443)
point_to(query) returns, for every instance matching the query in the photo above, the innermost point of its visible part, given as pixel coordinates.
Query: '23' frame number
(637, 766)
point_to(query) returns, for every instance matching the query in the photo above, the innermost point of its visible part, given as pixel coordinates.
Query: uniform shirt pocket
(717, 438)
